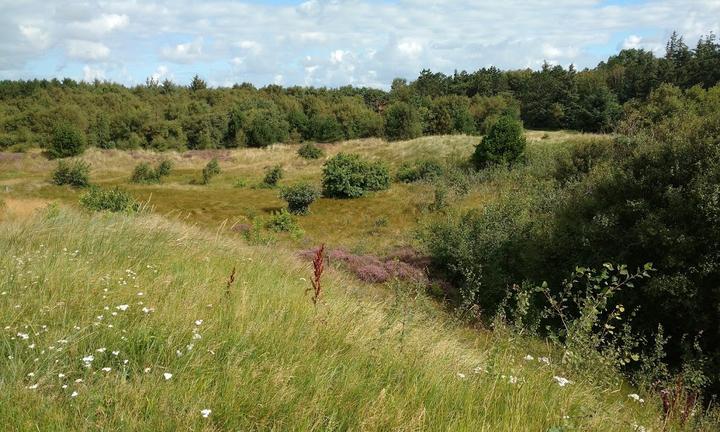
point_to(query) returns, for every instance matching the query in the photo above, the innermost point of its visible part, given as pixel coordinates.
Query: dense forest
(164, 115)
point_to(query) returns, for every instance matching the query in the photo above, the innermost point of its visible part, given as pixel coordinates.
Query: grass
(265, 357)
(349, 223)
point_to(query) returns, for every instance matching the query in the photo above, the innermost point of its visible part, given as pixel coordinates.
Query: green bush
(273, 176)
(282, 221)
(211, 170)
(504, 144)
(402, 122)
(144, 173)
(310, 151)
(75, 173)
(113, 200)
(299, 197)
(349, 176)
(427, 169)
(163, 169)
(67, 141)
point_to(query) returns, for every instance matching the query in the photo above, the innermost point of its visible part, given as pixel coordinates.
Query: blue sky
(327, 42)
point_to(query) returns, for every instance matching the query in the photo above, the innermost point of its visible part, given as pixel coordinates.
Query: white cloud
(184, 53)
(86, 50)
(631, 42)
(410, 48)
(337, 56)
(36, 36)
(90, 74)
(101, 25)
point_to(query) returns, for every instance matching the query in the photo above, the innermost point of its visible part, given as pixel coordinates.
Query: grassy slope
(266, 360)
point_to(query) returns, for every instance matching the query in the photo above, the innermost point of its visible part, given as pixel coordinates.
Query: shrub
(211, 170)
(310, 151)
(113, 200)
(504, 144)
(299, 197)
(67, 141)
(163, 168)
(144, 173)
(325, 128)
(273, 176)
(349, 176)
(402, 122)
(74, 173)
(427, 169)
(282, 221)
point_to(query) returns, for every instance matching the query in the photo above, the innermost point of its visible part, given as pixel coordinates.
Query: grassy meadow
(128, 322)
(376, 223)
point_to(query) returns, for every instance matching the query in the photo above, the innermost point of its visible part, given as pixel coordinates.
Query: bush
(144, 173)
(282, 221)
(504, 144)
(273, 176)
(299, 197)
(349, 176)
(113, 200)
(427, 169)
(211, 170)
(163, 168)
(310, 151)
(74, 173)
(402, 122)
(67, 141)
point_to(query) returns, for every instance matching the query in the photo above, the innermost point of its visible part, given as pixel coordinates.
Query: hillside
(119, 322)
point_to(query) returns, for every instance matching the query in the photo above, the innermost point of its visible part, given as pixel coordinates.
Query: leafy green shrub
(310, 151)
(75, 173)
(211, 170)
(282, 221)
(163, 169)
(427, 169)
(67, 141)
(113, 200)
(582, 158)
(299, 197)
(273, 175)
(504, 144)
(402, 122)
(349, 176)
(144, 173)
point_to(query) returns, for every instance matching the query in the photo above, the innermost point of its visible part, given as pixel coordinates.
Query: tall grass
(147, 298)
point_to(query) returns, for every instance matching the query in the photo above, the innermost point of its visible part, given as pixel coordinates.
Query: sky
(327, 42)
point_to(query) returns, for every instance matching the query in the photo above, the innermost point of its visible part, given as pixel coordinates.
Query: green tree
(402, 122)
(67, 141)
(505, 143)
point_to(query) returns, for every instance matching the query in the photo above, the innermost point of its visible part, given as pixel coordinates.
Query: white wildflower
(562, 382)
(198, 322)
(23, 336)
(461, 375)
(74, 394)
(101, 350)
(122, 307)
(544, 360)
(167, 375)
(529, 357)
(206, 412)
(636, 397)
(88, 359)
(33, 387)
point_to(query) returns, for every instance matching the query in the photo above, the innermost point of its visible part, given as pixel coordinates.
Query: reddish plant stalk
(318, 268)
